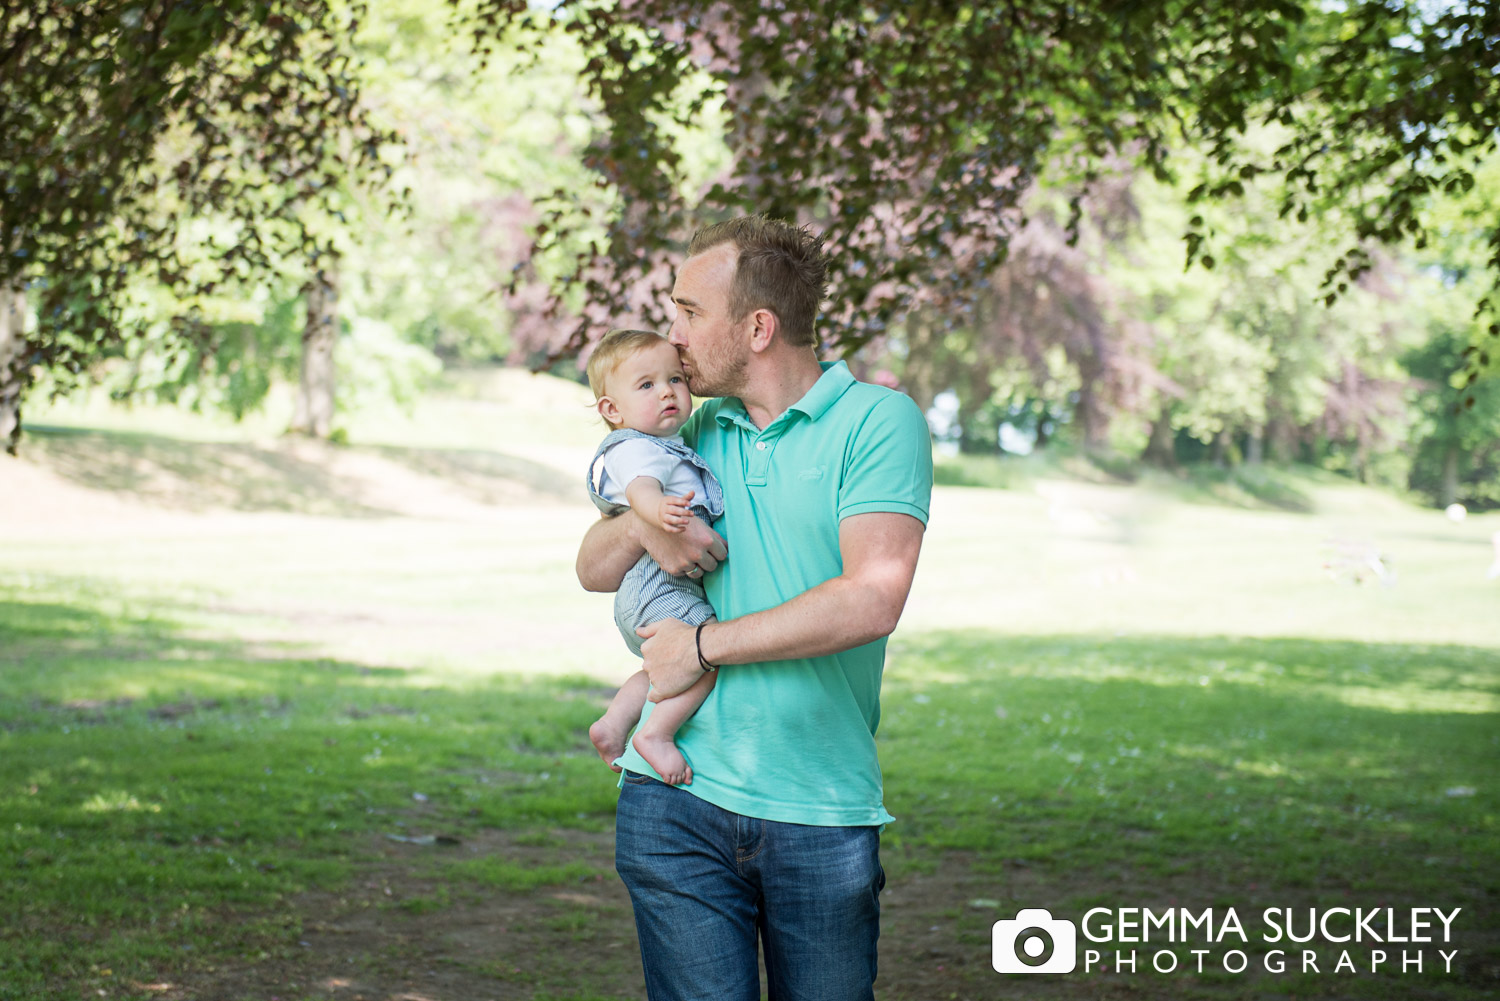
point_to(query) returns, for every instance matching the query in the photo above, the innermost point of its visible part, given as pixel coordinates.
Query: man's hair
(781, 268)
(613, 348)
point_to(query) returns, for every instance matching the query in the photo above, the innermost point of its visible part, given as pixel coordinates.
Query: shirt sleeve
(889, 466)
(635, 457)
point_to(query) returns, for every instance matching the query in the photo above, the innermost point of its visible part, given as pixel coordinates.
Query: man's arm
(613, 545)
(862, 604)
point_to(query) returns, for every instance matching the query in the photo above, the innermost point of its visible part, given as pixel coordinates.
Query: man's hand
(679, 553)
(671, 657)
(612, 545)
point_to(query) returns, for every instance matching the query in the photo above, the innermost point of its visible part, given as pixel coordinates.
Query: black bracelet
(698, 641)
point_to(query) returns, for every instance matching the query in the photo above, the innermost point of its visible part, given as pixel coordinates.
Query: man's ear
(765, 326)
(608, 411)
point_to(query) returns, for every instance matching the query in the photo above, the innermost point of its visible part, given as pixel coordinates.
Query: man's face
(715, 349)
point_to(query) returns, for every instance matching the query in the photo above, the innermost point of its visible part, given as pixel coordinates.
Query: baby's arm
(649, 501)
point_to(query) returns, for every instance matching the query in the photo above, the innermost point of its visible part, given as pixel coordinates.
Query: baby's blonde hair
(616, 346)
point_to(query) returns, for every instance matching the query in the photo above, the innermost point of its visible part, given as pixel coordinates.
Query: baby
(642, 394)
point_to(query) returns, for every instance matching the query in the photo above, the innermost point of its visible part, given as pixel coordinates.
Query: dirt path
(399, 933)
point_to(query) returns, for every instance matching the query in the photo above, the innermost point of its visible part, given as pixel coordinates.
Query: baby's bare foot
(608, 737)
(660, 753)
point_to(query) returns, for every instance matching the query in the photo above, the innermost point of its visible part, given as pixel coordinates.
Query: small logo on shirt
(815, 473)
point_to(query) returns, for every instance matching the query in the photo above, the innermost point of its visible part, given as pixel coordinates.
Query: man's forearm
(861, 605)
(835, 616)
(609, 549)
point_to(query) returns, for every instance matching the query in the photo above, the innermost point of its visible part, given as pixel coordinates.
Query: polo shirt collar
(832, 384)
(836, 378)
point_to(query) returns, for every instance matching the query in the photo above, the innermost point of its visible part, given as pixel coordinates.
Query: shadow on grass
(63, 658)
(1073, 772)
(487, 477)
(1067, 771)
(157, 787)
(293, 475)
(1248, 772)
(1252, 487)
(1257, 486)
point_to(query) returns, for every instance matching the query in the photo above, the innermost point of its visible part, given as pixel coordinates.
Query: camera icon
(1034, 942)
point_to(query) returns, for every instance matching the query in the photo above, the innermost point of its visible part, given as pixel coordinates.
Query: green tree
(474, 146)
(1457, 450)
(488, 140)
(1248, 359)
(1457, 437)
(126, 124)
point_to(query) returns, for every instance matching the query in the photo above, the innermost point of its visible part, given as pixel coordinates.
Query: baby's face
(648, 392)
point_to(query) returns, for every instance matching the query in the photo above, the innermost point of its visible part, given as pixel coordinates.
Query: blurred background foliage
(1086, 229)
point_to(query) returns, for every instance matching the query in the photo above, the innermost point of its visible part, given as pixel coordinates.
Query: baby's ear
(608, 411)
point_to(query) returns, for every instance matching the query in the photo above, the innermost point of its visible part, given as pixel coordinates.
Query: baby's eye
(676, 378)
(646, 384)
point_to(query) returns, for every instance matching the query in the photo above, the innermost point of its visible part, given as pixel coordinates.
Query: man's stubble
(719, 370)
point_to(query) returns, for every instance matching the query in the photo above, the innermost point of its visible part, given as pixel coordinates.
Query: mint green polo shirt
(794, 740)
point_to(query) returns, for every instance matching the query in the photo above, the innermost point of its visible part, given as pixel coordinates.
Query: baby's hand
(676, 512)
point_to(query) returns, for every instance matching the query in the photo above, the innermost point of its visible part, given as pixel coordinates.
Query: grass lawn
(298, 723)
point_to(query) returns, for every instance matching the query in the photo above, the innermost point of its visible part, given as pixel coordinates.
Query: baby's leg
(609, 732)
(655, 737)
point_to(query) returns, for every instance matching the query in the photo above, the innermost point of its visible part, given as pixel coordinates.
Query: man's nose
(674, 338)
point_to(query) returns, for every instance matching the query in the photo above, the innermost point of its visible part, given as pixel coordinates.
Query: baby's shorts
(649, 594)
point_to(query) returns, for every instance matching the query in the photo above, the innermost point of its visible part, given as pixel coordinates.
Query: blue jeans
(705, 882)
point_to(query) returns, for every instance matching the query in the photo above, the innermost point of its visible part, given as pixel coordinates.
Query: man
(826, 487)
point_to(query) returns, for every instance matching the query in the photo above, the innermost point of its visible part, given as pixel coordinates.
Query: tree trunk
(1362, 455)
(978, 434)
(1255, 448)
(1090, 412)
(1448, 484)
(12, 345)
(1160, 450)
(314, 415)
(1221, 449)
(918, 378)
(1279, 441)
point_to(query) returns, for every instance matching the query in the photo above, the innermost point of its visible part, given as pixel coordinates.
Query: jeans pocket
(637, 779)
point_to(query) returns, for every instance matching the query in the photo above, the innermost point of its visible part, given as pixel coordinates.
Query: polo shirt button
(760, 446)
